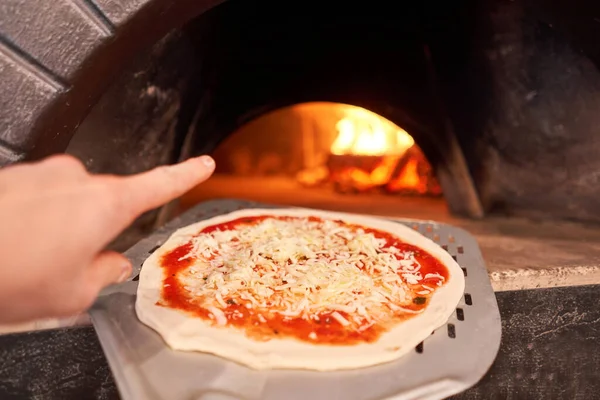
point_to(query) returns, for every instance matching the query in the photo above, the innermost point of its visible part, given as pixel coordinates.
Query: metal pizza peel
(455, 357)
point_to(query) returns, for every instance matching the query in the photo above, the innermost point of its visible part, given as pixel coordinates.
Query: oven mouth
(342, 147)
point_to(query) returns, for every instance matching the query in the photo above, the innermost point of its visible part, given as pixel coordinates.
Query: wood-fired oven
(478, 113)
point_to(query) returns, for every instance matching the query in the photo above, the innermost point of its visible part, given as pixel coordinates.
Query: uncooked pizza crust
(184, 332)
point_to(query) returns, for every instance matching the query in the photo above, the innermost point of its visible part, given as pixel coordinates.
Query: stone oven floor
(520, 254)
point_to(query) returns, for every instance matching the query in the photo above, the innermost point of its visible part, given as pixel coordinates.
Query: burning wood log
(409, 173)
(414, 175)
(360, 173)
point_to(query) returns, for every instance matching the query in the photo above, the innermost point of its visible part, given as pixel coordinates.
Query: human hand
(55, 221)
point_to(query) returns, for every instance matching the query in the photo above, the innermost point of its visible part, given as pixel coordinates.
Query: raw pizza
(297, 288)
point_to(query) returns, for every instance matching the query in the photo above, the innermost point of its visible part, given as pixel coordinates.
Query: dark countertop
(550, 350)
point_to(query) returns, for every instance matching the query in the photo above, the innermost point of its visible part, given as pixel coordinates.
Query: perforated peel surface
(452, 359)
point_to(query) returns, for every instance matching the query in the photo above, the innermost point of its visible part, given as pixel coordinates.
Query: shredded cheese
(299, 268)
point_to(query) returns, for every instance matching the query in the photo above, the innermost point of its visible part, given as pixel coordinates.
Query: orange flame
(399, 163)
(362, 132)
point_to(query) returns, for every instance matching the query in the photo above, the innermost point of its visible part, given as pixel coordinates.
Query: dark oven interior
(500, 97)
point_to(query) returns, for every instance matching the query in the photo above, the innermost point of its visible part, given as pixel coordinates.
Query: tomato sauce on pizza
(317, 280)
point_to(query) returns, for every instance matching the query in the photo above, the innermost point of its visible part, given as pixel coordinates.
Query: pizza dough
(182, 331)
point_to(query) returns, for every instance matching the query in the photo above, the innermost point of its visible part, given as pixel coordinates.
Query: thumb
(107, 268)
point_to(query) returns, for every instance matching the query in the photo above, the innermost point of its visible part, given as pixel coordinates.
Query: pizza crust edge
(186, 333)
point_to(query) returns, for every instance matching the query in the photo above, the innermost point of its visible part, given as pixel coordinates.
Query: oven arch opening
(202, 82)
(325, 155)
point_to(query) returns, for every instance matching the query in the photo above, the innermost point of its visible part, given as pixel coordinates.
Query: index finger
(148, 190)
